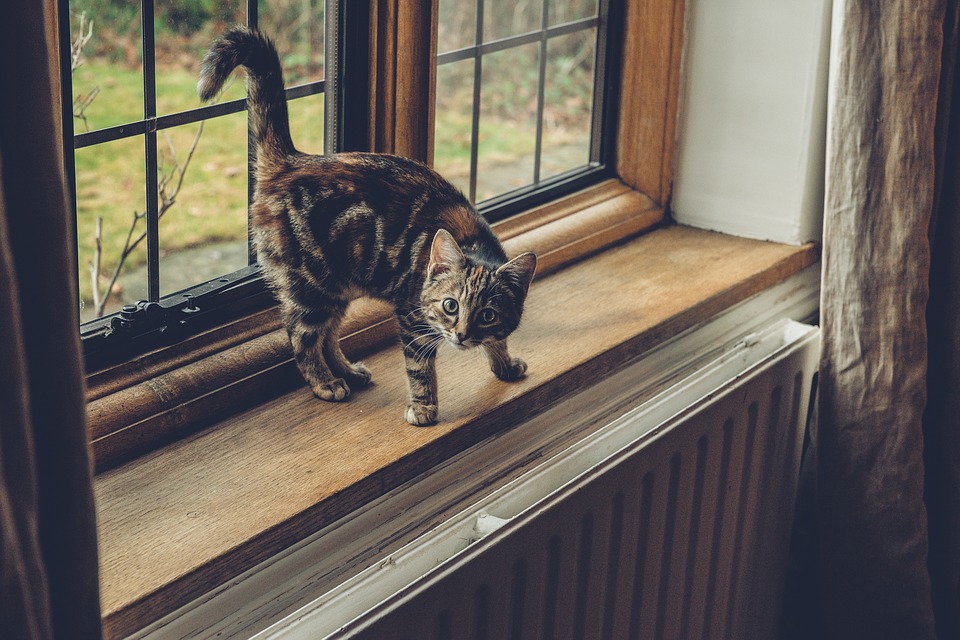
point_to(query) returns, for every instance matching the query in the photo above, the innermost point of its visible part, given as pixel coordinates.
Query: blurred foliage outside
(211, 207)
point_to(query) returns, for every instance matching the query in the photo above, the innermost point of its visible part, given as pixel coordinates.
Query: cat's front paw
(514, 370)
(334, 391)
(420, 415)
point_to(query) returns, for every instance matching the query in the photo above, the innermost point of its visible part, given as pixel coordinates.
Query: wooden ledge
(179, 521)
(152, 401)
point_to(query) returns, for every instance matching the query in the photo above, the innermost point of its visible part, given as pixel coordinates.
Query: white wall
(750, 148)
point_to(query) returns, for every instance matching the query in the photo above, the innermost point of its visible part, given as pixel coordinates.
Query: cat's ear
(520, 270)
(445, 254)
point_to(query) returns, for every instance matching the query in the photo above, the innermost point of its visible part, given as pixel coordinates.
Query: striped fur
(331, 228)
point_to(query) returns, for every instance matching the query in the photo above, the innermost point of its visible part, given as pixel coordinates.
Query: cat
(329, 229)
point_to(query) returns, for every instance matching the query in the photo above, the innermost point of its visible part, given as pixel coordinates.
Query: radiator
(656, 503)
(682, 534)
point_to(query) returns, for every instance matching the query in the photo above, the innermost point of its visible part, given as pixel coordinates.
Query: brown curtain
(888, 434)
(48, 552)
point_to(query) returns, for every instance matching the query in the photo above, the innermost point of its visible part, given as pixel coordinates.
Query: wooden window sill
(181, 520)
(156, 399)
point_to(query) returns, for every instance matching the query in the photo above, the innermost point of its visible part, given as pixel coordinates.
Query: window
(521, 97)
(140, 149)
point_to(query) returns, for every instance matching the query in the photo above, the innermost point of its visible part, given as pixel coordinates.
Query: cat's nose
(459, 335)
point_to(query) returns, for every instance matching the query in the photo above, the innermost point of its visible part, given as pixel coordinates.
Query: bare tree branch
(95, 264)
(80, 41)
(167, 198)
(81, 102)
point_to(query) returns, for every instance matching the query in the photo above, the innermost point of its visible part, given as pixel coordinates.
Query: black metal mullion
(150, 149)
(253, 21)
(606, 93)
(475, 122)
(170, 120)
(332, 73)
(541, 89)
(510, 42)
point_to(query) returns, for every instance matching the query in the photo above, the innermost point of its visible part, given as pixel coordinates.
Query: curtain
(888, 430)
(48, 552)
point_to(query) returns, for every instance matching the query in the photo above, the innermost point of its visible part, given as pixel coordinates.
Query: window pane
(454, 122)
(297, 29)
(110, 186)
(568, 102)
(184, 30)
(502, 18)
(536, 117)
(106, 63)
(562, 11)
(306, 123)
(457, 24)
(508, 121)
(203, 229)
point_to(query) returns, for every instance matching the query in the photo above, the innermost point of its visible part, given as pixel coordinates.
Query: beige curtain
(887, 538)
(48, 552)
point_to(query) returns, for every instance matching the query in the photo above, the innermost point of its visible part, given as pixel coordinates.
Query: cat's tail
(266, 102)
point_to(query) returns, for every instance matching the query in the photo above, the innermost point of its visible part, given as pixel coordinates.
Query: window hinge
(150, 324)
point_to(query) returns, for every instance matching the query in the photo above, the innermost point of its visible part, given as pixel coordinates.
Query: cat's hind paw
(334, 391)
(421, 415)
(514, 370)
(358, 376)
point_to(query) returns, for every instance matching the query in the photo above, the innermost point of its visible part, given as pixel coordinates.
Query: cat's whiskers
(428, 349)
(421, 331)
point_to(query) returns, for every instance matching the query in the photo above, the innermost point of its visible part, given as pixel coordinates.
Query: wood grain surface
(181, 520)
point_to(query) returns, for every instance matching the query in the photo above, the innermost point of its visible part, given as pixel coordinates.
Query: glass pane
(454, 120)
(457, 24)
(203, 223)
(568, 102)
(508, 116)
(110, 179)
(297, 29)
(106, 63)
(184, 30)
(306, 123)
(502, 18)
(563, 11)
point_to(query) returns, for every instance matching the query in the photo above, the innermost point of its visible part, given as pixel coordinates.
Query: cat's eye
(450, 305)
(488, 316)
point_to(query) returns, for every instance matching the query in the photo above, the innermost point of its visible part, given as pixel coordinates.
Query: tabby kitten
(329, 229)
